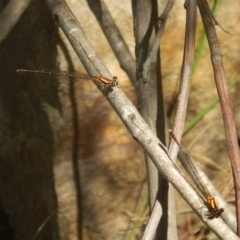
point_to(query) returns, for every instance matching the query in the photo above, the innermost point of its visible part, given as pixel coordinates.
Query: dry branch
(161, 200)
(221, 84)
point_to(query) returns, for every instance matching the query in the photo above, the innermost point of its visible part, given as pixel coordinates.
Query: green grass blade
(196, 119)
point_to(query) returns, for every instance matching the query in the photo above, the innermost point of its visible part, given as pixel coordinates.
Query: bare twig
(221, 84)
(115, 38)
(131, 118)
(186, 74)
(44, 224)
(150, 230)
(187, 66)
(155, 216)
(151, 102)
(10, 16)
(145, 16)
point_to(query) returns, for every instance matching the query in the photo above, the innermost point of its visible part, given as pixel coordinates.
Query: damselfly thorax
(213, 210)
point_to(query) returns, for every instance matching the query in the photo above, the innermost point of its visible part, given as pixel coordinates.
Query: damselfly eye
(115, 81)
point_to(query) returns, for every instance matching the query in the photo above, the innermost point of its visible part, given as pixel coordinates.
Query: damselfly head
(115, 81)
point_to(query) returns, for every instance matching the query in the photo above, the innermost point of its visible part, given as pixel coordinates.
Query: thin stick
(221, 84)
(150, 85)
(44, 224)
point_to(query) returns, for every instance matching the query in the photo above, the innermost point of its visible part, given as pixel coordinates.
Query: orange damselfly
(209, 201)
(103, 81)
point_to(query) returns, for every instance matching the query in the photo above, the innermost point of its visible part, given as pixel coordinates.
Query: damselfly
(208, 200)
(103, 81)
